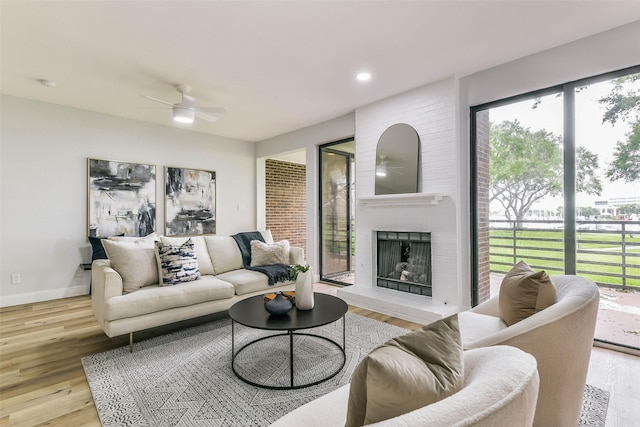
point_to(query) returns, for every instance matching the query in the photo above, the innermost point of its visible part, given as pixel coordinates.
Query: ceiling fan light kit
(186, 110)
(381, 169)
(183, 114)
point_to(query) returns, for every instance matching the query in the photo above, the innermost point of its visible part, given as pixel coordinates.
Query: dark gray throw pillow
(97, 248)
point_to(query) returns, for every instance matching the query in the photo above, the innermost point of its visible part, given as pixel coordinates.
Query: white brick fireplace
(431, 110)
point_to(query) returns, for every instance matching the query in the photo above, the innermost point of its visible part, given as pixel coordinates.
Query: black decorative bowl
(279, 305)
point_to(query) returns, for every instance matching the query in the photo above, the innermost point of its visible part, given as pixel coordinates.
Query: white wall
(431, 111)
(598, 54)
(309, 139)
(43, 187)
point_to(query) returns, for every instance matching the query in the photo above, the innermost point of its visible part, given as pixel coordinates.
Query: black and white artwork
(121, 199)
(190, 201)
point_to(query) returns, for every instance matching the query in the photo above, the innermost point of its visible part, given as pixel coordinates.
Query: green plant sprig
(298, 268)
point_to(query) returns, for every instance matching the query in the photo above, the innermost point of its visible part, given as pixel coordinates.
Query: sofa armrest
(296, 255)
(105, 283)
(490, 307)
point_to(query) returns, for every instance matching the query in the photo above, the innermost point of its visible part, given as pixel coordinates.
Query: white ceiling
(276, 66)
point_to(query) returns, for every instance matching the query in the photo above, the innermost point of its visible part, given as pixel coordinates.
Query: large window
(557, 184)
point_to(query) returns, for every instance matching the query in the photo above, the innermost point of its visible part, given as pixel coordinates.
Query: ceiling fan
(186, 110)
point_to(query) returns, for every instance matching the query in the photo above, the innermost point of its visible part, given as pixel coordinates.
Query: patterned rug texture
(184, 378)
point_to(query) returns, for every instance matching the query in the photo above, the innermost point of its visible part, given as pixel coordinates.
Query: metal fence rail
(608, 252)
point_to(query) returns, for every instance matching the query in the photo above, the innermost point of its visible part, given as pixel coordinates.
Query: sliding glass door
(556, 183)
(336, 226)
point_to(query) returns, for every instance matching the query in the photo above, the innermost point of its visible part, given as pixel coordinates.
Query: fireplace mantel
(394, 200)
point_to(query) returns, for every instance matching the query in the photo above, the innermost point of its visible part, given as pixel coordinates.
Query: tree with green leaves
(623, 103)
(587, 180)
(588, 211)
(626, 158)
(525, 166)
(629, 209)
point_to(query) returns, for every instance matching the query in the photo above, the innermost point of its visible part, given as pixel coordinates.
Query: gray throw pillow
(524, 292)
(407, 373)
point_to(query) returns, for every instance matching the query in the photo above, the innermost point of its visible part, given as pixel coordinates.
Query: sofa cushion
(204, 260)
(135, 261)
(524, 292)
(177, 264)
(407, 373)
(267, 236)
(224, 253)
(248, 281)
(475, 326)
(268, 254)
(136, 239)
(151, 299)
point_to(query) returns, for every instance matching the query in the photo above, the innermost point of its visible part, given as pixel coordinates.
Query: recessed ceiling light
(363, 76)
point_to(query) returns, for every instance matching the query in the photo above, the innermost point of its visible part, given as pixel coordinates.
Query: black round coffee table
(250, 312)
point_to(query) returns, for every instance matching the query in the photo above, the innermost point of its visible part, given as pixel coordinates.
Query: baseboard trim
(52, 294)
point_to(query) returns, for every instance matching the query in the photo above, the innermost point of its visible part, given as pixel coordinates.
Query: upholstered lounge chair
(560, 337)
(500, 389)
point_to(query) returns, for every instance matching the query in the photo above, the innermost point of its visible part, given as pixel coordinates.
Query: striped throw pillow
(177, 264)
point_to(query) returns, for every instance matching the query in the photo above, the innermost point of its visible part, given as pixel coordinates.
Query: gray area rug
(184, 378)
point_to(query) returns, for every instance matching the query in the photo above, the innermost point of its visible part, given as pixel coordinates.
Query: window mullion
(569, 152)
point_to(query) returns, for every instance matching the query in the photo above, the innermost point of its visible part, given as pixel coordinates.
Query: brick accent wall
(286, 199)
(482, 180)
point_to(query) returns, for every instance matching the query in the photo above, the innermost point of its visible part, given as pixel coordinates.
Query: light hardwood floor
(42, 381)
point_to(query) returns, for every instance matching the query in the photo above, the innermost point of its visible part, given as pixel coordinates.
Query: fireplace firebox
(404, 261)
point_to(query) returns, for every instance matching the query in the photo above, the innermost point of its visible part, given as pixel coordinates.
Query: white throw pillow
(134, 261)
(204, 261)
(267, 254)
(150, 239)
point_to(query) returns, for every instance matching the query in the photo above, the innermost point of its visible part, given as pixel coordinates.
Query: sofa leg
(130, 342)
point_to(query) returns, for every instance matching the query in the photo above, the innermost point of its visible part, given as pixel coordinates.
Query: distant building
(610, 206)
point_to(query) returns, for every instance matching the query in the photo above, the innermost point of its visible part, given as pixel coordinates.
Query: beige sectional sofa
(224, 281)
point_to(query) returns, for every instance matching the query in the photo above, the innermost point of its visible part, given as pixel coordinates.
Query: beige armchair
(560, 337)
(500, 389)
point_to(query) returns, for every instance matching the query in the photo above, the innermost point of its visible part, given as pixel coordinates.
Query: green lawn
(544, 251)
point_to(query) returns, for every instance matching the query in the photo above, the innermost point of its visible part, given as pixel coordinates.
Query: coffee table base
(291, 370)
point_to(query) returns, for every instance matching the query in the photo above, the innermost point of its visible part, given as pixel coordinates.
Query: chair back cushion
(524, 292)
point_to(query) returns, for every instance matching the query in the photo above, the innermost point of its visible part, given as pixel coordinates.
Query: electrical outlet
(15, 279)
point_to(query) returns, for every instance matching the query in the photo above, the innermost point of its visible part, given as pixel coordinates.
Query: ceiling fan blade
(206, 117)
(214, 110)
(188, 98)
(157, 100)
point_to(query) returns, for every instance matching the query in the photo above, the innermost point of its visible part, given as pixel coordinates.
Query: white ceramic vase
(304, 290)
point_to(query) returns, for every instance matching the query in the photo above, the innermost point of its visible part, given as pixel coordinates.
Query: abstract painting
(121, 199)
(190, 201)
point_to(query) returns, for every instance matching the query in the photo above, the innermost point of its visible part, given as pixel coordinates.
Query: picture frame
(121, 198)
(190, 201)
